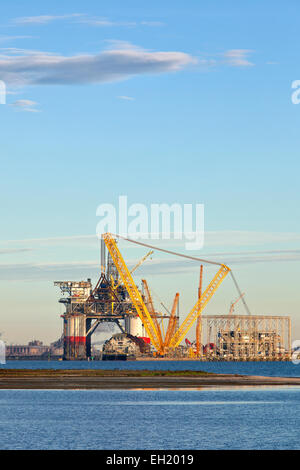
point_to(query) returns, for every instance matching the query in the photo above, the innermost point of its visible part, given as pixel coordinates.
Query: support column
(75, 337)
(88, 325)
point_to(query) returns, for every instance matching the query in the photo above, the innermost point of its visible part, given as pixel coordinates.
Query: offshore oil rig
(116, 299)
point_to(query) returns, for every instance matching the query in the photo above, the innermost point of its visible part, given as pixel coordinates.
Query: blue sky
(162, 102)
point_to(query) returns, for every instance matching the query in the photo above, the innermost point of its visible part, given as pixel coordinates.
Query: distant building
(32, 349)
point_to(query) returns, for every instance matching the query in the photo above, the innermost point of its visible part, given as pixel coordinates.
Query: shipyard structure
(145, 332)
(246, 338)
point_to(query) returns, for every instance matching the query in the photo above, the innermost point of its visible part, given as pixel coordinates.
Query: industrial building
(117, 299)
(34, 349)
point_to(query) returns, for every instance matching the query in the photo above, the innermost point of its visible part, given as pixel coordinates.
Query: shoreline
(127, 380)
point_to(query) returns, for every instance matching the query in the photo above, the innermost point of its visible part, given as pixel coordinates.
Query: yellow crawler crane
(200, 305)
(141, 308)
(133, 291)
(115, 286)
(152, 312)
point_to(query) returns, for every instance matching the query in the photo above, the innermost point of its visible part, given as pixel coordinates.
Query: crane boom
(199, 306)
(151, 308)
(231, 310)
(172, 322)
(132, 290)
(199, 323)
(142, 261)
(136, 266)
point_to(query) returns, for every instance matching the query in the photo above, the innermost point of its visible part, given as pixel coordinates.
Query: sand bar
(116, 379)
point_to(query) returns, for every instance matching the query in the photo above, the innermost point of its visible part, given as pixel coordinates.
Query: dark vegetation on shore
(101, 373)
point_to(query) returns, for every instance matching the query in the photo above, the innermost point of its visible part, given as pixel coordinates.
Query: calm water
(260, 418)
(274, 369)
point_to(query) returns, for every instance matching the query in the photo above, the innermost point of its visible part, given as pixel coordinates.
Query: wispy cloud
(54, 241)
(40, 68)
(13, 38)
(229, 238)
(152, 23)
(78, 270)
(117, 44)
(48, 271)
(161, 264)
(9, 92)
(237, 57)
(26, 105)
(105, 22)
(83, 18)
(44, 19)
(126, 98)
(177, 265)
(9, 251)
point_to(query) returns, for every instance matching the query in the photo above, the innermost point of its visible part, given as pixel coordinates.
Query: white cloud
(78, 270)
(161, 264)
(237, 57)
(105, 22)
(117, 44)
(48, 271)
(126, 98)
(40, 68)
(44, 19)
(9, 251)
(228, 238)
(22, 103)
(55, 241)
(152, 23)
(84, 19)
(26, 105)
(13, 38)
(30, 110)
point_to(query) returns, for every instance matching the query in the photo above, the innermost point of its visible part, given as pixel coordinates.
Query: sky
(164, 102)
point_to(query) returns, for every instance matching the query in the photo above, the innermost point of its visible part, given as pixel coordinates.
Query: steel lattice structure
(246, 337)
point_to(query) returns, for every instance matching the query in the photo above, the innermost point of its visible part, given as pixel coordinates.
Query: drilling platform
(109, 301)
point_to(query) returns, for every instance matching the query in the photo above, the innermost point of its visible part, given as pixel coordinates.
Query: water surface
(261, 418)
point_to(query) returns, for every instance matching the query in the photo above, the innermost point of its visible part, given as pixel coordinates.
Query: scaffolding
(246, 337)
